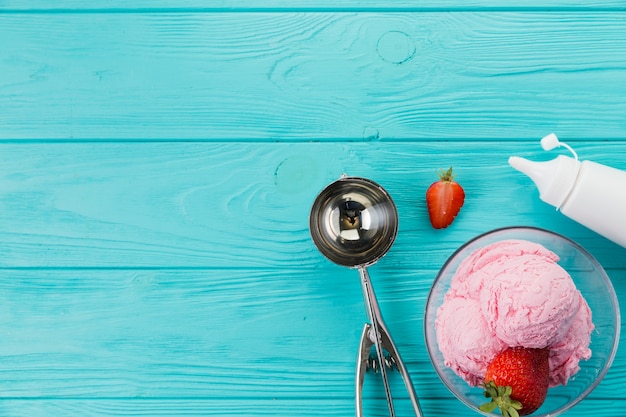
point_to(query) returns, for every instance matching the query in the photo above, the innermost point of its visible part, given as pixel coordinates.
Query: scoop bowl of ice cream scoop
(522, 288)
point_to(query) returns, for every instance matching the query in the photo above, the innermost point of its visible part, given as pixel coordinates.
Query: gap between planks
(390, 9)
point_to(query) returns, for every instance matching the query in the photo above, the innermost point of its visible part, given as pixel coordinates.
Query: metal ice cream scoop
(353, 223)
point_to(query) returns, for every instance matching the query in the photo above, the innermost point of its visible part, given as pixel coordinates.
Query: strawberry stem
(501, 399)
(446, 176)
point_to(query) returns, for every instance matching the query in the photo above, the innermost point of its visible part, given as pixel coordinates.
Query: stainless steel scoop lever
(376, 334)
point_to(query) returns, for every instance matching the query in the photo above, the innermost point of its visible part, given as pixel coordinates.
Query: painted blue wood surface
(312, 76)
(158, 160)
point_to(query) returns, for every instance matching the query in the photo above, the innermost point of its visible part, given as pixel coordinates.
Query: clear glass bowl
(595, 286)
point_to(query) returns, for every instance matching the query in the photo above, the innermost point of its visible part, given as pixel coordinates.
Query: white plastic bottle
(592, 194)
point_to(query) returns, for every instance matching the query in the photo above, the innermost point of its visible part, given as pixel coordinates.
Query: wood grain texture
(159, 158)
(271, 407)
(173, 334)
(103, 338)
(312, 76)
(180, 277)
(247, 205)
(156, 6)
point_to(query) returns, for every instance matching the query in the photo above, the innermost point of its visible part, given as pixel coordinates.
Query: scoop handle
(376, 333)
(373, 311)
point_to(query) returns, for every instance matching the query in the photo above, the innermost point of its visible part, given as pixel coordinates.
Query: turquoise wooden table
(158, 160)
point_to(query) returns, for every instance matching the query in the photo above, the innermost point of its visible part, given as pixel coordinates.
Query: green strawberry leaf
(488, 407)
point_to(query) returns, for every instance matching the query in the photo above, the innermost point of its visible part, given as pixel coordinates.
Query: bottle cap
(550, 142)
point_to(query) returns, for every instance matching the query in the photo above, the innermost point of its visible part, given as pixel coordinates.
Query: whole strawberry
(444, 199)
(517, 381)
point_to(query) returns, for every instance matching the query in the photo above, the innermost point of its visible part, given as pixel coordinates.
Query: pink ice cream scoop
(512, 293)
(467, 344)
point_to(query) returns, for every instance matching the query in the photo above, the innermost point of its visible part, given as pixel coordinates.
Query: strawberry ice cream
(513, 293)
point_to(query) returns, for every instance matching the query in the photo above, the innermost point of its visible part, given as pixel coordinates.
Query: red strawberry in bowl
(517, 381)
(444, 199)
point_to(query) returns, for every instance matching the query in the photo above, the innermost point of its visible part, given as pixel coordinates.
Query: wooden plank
(156, 332)
(214, 205)
(289, 76)
(174, 334)
(206, 335)
(274, 407)
(155, 6)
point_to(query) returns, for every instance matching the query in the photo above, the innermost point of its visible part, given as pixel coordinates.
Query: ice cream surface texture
(512, 293)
